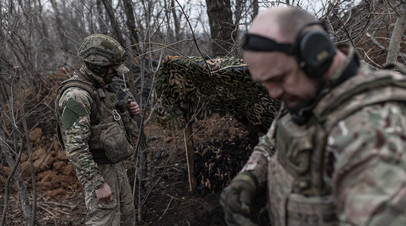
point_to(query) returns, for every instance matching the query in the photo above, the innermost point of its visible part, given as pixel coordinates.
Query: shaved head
(281, 23)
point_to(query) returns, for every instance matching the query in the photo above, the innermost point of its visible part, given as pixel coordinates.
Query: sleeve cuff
(98, 182)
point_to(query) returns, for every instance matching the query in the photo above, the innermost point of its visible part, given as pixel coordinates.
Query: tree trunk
(175, 21)
(398, 30)
(60, 28)
(113, 22)
(41, 20)
(255, 8)
(222, 28)
(101, 18)
(129, 12)
(239, 9)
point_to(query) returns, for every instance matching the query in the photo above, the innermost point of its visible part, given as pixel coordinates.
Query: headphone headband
(320, 23)
(259, 43)
(254, 42)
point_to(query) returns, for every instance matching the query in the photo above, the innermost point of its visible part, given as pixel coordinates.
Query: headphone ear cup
(315, 53)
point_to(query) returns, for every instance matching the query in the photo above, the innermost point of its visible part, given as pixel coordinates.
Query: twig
(30, 152)
(194, 36)
(7, 186)
(160, 177)
(173, 197)
(375, 41)
(14, 125)
(54, 209)
(168, 166)
(45, 209)
(61, 204)
(135, 181)
(163, 46)
(20, 184)
(345, 28)
(379, 66)
(46, 155)
(167, 207)
(403, 55)
(53, 215)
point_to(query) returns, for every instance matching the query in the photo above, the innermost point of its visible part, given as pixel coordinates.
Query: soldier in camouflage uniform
(85, 102)
(335, 154)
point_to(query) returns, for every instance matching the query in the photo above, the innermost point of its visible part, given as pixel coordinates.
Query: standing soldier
(336, 153)
(93, 133)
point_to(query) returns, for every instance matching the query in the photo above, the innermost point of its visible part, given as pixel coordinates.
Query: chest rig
(299, 193)
(103, 111)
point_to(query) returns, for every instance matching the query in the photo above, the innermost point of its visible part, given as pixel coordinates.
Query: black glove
(236, 199)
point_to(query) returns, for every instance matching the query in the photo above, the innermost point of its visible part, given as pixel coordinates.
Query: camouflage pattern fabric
(77, 136)
(218, 85)
(263, 153)
(370, 166)
(364, 162)
(78, 116)
(121, 210)
(102, 50)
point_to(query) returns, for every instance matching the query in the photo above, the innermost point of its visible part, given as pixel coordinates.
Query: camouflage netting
(218, 161)
(219, 85)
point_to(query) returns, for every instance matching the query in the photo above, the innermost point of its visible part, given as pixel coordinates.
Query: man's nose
(274, 91)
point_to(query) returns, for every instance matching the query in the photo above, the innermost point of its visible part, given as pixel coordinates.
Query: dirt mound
(55, 177)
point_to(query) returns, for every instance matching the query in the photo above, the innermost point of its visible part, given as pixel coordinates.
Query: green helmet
(102, 50)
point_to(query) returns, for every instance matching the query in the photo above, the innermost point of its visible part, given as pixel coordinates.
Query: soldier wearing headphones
(336, 152)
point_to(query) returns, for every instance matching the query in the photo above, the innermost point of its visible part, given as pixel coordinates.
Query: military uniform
(347, 164)
(85, 102)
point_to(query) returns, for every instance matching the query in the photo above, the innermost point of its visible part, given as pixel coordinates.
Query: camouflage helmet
(102, 50)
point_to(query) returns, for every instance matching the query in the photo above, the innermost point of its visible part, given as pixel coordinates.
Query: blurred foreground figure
(336, 153)
(95, 130)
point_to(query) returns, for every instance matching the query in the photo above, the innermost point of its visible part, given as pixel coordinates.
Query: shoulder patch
(71, 113)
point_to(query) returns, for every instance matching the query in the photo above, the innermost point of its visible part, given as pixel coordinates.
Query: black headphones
(314, 50)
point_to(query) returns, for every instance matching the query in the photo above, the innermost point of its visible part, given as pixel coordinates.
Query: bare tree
(176, 21)
(101, 17)
(13, 163)
(398, 30)
(129, 12)
(222, 27)
(60, 27)
(115, 26)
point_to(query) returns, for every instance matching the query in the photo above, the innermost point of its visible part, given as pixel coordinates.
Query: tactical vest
(299, 193)
(103, 111)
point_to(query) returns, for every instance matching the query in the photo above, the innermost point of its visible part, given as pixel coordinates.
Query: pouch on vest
(109, 141)
(318, 210)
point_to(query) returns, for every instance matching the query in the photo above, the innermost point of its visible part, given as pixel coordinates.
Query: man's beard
(303, 105)
(302, 111)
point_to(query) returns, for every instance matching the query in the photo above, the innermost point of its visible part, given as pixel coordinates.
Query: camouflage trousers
(121, 210)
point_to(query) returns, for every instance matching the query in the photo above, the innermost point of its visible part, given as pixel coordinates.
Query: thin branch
(167, 207)
(194, 36)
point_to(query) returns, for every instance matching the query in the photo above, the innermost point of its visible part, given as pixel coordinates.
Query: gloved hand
(236, 199)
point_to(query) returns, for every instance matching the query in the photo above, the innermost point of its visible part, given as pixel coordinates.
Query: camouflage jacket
(346, 166)
(76, 130)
